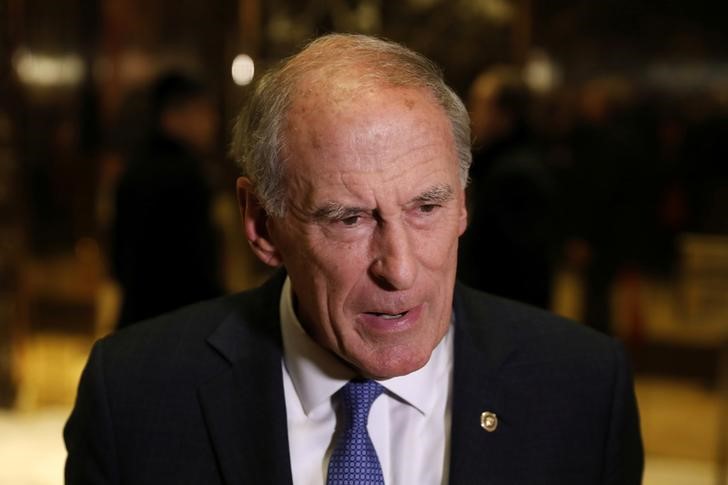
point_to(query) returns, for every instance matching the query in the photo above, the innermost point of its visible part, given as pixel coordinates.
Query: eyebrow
(336, 211)
(437, 194)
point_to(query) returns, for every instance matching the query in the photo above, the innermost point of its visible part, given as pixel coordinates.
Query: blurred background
(599, 188)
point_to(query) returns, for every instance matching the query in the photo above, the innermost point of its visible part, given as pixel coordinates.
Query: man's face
(374, 211)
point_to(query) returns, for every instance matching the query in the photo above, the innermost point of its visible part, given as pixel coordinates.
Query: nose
(394, 264)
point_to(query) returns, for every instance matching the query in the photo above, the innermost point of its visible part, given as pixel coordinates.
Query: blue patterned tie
(354, 460)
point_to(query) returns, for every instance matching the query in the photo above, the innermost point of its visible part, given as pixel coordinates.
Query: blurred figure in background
(164, 247)
(704, 168)
(609, 195)
(506, 249)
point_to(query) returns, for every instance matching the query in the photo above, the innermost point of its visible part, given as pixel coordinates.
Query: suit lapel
(481, 346)
(244, 406)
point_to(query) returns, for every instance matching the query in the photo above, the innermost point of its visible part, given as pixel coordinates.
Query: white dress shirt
(409, 424)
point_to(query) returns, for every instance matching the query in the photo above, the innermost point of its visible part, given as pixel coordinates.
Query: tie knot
(357, 397)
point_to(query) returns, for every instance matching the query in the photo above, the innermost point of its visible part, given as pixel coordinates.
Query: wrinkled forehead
(328, 100)
(384, 133)
(347, 86)
(340, 102)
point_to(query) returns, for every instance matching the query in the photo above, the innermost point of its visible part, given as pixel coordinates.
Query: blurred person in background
(507, 247)
(704, 167)
(164, 247)
(608, 196)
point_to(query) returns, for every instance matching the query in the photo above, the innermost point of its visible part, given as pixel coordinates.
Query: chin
(387, 367)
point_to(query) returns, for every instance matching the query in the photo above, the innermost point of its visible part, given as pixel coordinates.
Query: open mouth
(388, 322)
(388, 316)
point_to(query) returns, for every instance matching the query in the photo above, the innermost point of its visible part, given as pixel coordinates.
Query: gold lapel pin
(489, 421)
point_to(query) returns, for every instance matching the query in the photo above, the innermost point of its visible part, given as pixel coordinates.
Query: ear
(255, 224)
(462, 214)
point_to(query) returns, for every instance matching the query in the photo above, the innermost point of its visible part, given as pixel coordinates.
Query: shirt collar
(317, 374)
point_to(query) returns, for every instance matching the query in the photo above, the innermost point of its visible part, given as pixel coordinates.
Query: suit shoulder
(537, 332)
(180, 339)
(190, 323)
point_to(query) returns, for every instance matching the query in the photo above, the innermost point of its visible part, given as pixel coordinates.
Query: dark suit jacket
(196, 397)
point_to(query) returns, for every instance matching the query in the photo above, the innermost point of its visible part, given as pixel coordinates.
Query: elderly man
(362, 362)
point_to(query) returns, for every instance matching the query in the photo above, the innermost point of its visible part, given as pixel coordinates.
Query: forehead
(381, 146)
(343, 121)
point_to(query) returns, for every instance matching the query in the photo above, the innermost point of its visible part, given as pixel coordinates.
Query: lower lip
(379, 324)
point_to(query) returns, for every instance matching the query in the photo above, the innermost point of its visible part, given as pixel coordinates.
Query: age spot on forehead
(315, 140)
(409, 102)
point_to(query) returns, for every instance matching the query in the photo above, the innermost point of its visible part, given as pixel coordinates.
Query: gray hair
(258, 140)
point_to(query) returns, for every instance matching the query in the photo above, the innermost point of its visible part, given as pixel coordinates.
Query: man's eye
(350, 221)
(428, 207)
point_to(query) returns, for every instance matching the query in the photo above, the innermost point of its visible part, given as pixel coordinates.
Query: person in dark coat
(361, 361)
(507, 247)
(164, 245)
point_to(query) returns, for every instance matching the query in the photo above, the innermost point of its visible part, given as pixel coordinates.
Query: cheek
(437, 249)
(338, 267)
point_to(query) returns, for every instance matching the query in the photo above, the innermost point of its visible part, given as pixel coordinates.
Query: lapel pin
(489, 421)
